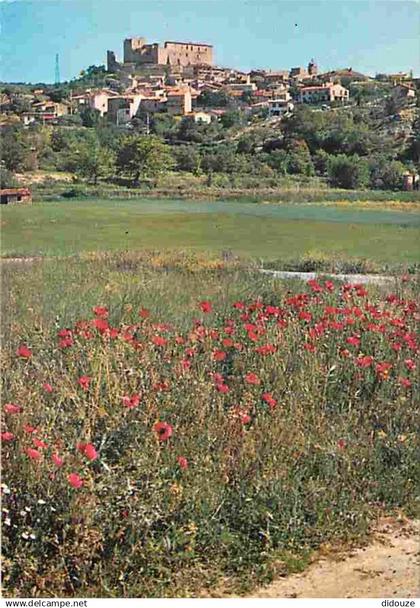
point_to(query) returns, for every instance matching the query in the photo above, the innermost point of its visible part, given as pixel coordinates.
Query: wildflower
(90, 452)
(222, 388)
(252, 378)
(159, 341)
(227, 342)
(163, 430)
(47, 387)
(239, 305)
(383, 369)
(353, 340)
(131, 402)
(24, 352)
(100, 311)
(218, 355)
(144, 313)
(410, 364)
(309, 347)
(33, 454)
(66, 342)
(205, 306)
(101, 325)
(183, 462)
(304, 315)
(244, 417)
(29, 429)
(75, 480)
(12, 408)
(329, 285)
(405, 382)
(39, 444)
(57, 460)
(266, 349)
(7, 436)
(84, 382)
(186, 364)
(364, 361)
(341, 444)
(269, 400)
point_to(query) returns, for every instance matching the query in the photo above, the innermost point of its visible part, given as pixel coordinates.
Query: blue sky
(370, 36)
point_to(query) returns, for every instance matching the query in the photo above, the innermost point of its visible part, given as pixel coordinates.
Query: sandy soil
(389, 567)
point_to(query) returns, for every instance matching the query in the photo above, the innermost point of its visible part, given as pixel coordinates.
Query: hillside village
(177, 93)
(148, 80)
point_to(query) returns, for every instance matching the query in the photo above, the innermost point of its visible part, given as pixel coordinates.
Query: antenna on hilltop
(57, 69)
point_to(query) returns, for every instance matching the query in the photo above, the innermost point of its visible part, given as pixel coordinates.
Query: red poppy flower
(222, 388)
(163, 430)
(244, 417)
(309, 347)
(101, 325)
(33, 454)
(383, 370)
(100, 311)
(239, 305)
(64, 333)
(159, 341)
(24, 352)
(365, 361)
(410, 364)
(353, 340)
(405, 382)
(341, 444)
(269, 400)
(84, 382)
(75, 480)
(12, 408)
(266, 349)
(57, 460)
(227, 342)
(66, 342)
(161, 387)
(252, 378)
(90, 451)
(131, 402)
(7, 436)
(186, 364)
(183, 462)
(38, 443)
(329, 285)
(144, 313)
(47, 387)
(218, 355)
(29, 429)
(205, 306)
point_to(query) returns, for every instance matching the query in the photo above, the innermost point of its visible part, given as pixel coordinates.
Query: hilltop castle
(137, 53)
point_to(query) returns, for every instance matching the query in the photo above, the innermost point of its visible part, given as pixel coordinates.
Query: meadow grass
(292, 412)
(260, 231)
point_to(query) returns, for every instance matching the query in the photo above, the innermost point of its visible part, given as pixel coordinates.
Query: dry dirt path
(389, 567)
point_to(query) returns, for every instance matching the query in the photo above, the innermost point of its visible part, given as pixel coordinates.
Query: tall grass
(290, 420)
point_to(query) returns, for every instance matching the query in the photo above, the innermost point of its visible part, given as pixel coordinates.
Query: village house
(327, 93)
(404, 91)
(201, 117)
(280, 106)
(97, 100)
(179, 102)
(123, 108)
(47, 111)
(15, 195)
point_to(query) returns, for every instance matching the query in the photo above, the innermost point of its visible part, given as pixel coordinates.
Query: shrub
(348, 172)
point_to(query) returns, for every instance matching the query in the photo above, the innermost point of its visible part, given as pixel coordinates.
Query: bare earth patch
(387, 568)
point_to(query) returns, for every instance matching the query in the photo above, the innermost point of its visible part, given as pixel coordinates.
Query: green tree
(142, 156)
(90, 117)
(7, 179)
(187, 159)
(348, 172)
(299, 158)
(15, 150)
(386, 174)
(93, 162)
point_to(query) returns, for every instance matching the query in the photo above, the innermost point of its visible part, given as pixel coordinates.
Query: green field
(268, 231)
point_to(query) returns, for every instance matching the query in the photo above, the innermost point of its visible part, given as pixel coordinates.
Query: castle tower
(312, 68)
